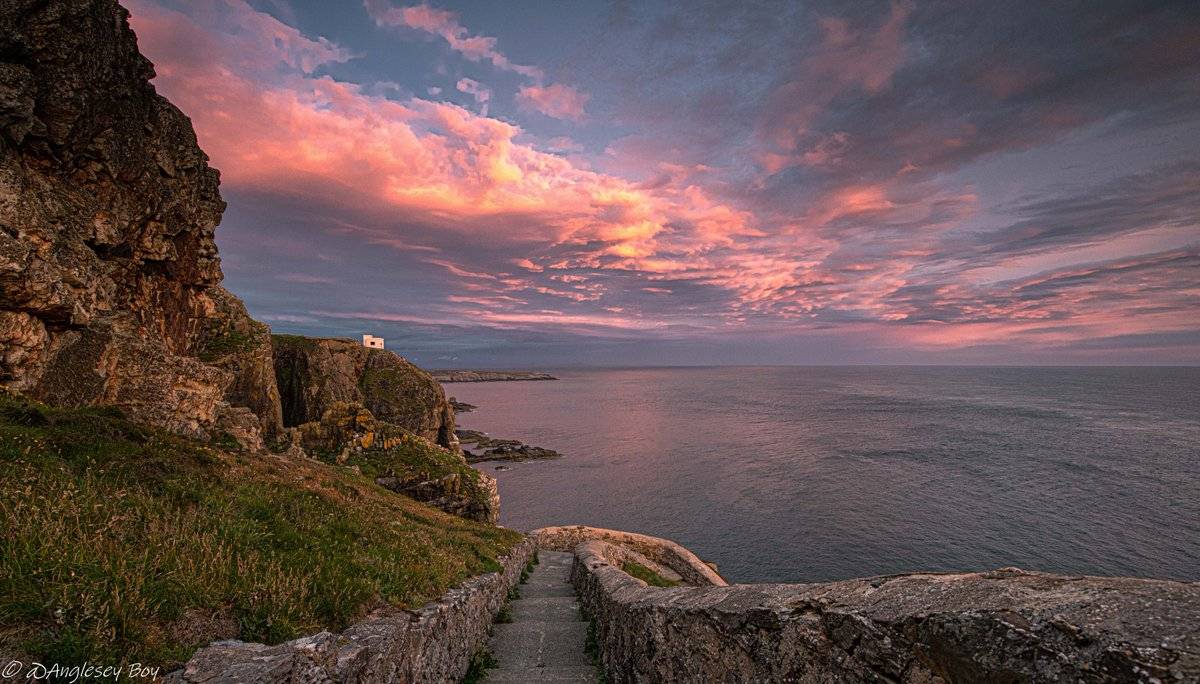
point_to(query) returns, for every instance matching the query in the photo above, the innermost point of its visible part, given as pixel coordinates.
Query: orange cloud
(441, 164)
(585, 237)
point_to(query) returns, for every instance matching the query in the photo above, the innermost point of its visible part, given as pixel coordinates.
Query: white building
(372, 342)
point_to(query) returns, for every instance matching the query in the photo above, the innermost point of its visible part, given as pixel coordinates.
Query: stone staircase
(545, 640)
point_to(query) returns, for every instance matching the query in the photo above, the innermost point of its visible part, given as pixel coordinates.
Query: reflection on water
(796, 474)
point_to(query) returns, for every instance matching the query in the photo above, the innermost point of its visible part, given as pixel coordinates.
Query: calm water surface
(803, 474)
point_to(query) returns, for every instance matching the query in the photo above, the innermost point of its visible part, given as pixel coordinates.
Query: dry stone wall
(433, 644)
(1006, 625)
(659, 551)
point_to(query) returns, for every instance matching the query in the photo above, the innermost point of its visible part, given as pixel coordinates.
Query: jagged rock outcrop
(400, 460)
(109, 276)
(314, 374)
(485, 448)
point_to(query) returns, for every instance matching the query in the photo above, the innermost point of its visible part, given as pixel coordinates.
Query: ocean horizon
(817, 473)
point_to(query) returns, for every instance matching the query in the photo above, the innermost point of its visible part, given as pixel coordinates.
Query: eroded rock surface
(109, 275)
(485, 448)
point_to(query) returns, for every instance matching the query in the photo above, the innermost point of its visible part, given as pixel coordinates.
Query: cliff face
(372, 410)
(110, 280)
(109, 276)
(315, 374)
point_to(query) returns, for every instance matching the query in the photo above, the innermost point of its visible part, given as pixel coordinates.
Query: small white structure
(372, 342)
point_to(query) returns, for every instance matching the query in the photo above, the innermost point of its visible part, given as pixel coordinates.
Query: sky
(532, 184)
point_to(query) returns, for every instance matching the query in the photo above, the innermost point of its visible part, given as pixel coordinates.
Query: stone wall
(1006, 625)
(678, 559)
(432, 644)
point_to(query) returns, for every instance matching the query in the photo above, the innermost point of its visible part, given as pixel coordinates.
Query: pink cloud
(273, 126)
(445, 24)
(555, 100)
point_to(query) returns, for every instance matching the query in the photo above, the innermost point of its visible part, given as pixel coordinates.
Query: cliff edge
(110, 283)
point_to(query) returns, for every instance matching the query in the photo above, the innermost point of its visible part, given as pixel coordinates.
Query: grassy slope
(121, 544)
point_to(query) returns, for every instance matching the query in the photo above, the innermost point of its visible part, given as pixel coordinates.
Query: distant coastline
(460, 375)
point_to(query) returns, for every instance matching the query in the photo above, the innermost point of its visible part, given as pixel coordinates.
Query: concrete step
(533, 591)
(545, 640)
(545, 609)
(539, 644)
(543, 674)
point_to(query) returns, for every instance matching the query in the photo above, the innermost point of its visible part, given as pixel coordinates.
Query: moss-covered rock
(404, 462)
(229, 339)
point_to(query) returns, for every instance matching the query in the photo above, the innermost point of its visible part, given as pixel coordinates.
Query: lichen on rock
(402, 461)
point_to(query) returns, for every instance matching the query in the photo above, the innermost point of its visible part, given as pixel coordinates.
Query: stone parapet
(1006, 625)
(664, 552)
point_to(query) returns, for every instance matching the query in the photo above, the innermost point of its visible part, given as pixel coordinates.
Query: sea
(802, 474)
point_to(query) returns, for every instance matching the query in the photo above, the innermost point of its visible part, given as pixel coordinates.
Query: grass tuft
(481, 662)
(647, 575)
(504, 616)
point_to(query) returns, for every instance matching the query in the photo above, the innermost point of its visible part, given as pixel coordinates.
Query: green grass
(226, 343)
(591, 645)
(399, 392)
(647, 575)
(504, 616)
(481, 662)
(285, 341)
(412, 458)
(121, 544)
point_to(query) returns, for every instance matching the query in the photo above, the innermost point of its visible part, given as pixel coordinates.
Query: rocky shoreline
(461, 406)
(491, 449)
(456, 375)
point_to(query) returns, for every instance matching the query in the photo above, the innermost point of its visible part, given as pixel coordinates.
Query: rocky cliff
(109, 276)
(314, 374)
(372, 410)
(406, 463)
